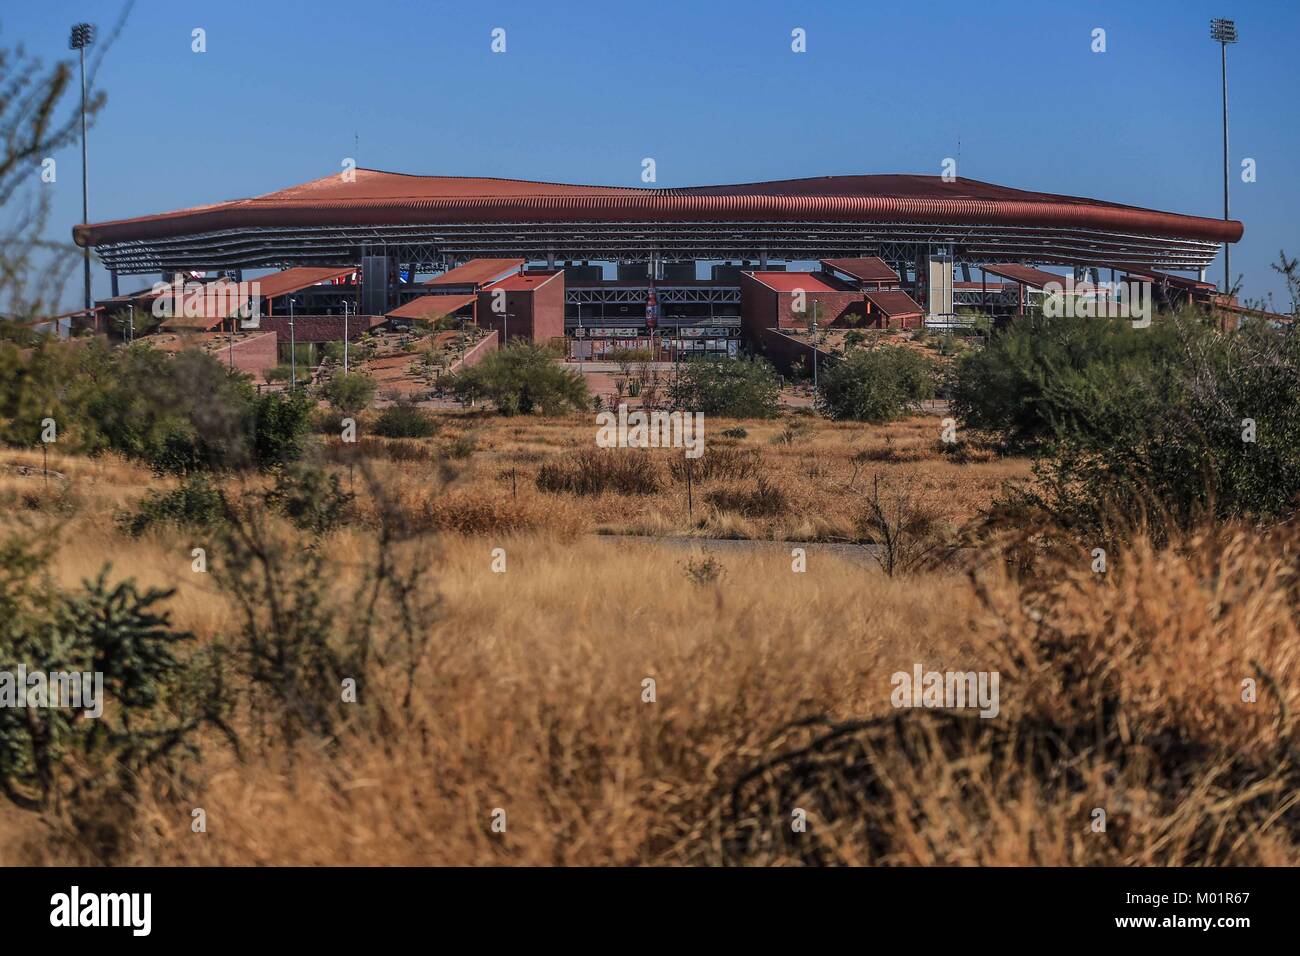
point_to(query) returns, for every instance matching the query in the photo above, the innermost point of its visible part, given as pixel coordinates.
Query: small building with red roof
(526, 306)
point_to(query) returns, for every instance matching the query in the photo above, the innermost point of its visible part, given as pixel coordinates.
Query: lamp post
(345, 336)
(293, 352)
(83, 35)
(814, 344)
(1224, 32)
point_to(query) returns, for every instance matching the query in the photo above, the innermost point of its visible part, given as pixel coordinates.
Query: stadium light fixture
(1224, 32)
(82, 36)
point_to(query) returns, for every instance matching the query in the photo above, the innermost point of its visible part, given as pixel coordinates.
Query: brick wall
(478, 353)
(762, 308)
(783, 351)
(320, 328)
(254, 353)
(548, 310)
(536, 314)
(832, 307)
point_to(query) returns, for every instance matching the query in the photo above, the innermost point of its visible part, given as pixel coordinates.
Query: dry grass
(1120, 691)
(821, 468)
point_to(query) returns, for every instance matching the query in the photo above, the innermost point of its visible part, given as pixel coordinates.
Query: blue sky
(710, 89)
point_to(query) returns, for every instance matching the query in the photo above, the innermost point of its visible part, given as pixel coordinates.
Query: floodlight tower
(83, 35)
(1224, 32)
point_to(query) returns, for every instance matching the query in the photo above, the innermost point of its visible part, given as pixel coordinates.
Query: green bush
(877, 384)
(195, 504)
(55, 756)
(1155, 423)
(311, 498)
(349, 392)
(279, 428)
(181, 413)
(729, 388)
(1040, 377)
(520, 379)
(405, 420)
(1178, 451)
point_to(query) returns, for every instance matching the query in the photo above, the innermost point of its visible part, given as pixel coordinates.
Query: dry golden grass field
(522, 694)
(822, 469)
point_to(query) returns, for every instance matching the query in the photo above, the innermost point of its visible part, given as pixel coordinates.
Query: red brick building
(865, 273)
(788, 300)
(526, 306)
(893, 309)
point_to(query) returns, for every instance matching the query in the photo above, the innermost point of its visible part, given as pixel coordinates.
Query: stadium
(706, 265)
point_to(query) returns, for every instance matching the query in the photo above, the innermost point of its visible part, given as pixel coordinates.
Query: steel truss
(431, 247)
(666, 295)
(993, 296)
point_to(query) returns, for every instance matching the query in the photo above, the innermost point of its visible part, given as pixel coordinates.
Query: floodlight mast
(1224, 32)
(82, 36)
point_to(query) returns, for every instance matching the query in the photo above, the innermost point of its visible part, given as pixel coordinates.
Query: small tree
(521, 379)
(404, 419)
(349, 392)
(732, 388)
(875, 384)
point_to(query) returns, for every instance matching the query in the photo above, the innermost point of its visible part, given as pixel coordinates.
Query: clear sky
(710, 89)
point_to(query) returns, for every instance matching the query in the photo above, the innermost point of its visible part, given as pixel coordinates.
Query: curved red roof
(381, 198)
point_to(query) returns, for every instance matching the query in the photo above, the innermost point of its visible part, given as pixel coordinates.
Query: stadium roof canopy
(477, 272)
(431, 220)
(800, 282)
(866, 269)
(894, 302)
(430, 307)
(1034, 278)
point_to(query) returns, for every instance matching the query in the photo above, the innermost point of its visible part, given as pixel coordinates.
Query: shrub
(344, 453)
(704, 569)
(54, 756)
(178, 413)
(1191, 421)
(903, 531)
(728, 388)
(1040, 377)
(725, 464)
(311, 498)
(736, 432)
(405, 419)
(349, 392)
(194, 504)
(460, 447)
(765, 499)
(280, 427)
(595, 471)
(521, 379)
(875, 384)
(791, 432)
